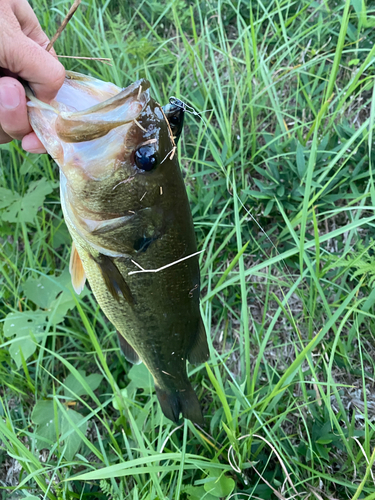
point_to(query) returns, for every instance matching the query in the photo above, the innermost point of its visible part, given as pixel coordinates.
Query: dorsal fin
(76, 270)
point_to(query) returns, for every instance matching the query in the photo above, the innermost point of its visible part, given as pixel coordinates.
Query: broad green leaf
(42, 291)
(42, 412)
(25, 209)
(52, 294)
(324, 440)
(76, 386)
(73, 441)
(268, 208)
(64, 301)
(24, 326)
(43, 415)
(140, 377)
(60, 306)
(358, 6)
(7, 197)
(220, 486)
(323, 451)
(197, 493)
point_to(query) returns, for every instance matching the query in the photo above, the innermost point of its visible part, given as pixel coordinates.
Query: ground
(278, 168)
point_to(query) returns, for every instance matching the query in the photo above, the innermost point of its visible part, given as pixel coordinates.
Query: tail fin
(185, 401)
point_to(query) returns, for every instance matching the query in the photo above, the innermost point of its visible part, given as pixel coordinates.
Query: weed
(280, 180)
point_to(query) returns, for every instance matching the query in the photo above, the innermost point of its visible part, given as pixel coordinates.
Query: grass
(279, 174)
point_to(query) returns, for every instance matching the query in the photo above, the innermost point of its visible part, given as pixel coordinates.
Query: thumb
(22, 50)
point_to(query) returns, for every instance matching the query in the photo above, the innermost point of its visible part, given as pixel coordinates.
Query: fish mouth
(83, 113)
(88, 142)
(96, 121)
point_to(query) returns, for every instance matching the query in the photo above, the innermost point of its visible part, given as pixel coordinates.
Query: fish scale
(126, 208)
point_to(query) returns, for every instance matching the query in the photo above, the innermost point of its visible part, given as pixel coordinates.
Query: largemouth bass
(126, 208)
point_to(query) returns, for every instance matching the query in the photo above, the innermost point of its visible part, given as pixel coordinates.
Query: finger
(26, 58)
(30, 25)
(38, 67)
(32, 144)
(13, 111)
(29, 22)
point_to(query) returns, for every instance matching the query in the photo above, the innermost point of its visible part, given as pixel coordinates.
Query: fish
(125, 204)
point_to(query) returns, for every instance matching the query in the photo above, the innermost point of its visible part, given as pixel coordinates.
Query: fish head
(111, 145)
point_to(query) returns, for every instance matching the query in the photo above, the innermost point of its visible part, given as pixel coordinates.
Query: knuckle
(14, 55)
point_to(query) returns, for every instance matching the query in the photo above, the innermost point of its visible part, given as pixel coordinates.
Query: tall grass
(278, 169)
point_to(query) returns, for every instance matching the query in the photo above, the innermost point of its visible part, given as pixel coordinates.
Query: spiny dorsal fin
(113, 279)
(199, 352)
(128, 350)
(76, 270)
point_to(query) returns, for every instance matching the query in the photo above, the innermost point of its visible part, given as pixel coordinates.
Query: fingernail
(9, 97)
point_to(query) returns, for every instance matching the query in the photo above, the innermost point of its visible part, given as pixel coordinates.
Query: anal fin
(76, 270)
(128, 350)
(199, 352)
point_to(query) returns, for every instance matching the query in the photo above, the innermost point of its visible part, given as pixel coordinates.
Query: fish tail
(176, 401)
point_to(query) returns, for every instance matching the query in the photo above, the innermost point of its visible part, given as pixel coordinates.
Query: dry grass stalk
(62, 26)
(104, 60)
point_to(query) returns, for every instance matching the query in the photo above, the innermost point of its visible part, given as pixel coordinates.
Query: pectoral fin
(76, 270)
(106, 226)
(128, 351)
(199, 352)
(113, 279)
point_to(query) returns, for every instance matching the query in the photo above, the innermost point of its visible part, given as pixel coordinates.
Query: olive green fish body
(125, 205)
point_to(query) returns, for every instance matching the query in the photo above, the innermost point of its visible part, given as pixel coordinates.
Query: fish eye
(145, 158)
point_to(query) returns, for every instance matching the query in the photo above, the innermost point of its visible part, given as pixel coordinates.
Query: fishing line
(284, 264)
(163, 267)
(186, 107)
(191, 110)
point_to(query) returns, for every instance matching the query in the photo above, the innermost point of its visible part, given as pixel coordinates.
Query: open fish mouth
(85, 126)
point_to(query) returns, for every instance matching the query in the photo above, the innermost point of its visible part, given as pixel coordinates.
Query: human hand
(23, 54)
